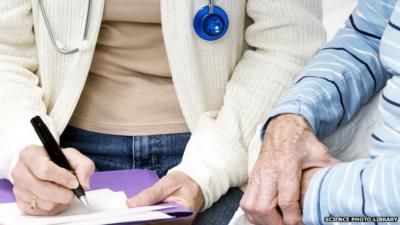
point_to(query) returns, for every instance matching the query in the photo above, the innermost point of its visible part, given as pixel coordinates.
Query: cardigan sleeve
(284, 35)
(21, 96)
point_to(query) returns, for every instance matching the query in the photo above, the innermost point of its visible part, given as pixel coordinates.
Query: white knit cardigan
(225, 88)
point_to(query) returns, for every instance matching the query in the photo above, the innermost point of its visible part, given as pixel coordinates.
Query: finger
(25, 207)
(46, 170)
(45, 190)
(250, 218)
(82, 165)
(319, 156)
(157, 193)
(28, 196)
(289, 195)
(272, 217)
(260, 199)
(38, 162)
(248, 200)
(266, 206)
(249, 196)
(49, 206)
(328, 159)
(183, 202)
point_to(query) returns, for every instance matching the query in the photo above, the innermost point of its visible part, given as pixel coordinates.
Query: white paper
(106, 206)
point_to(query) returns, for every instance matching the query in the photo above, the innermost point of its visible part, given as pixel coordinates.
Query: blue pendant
(211, 26)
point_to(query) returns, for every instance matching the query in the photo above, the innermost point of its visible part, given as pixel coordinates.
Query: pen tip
(84, 201)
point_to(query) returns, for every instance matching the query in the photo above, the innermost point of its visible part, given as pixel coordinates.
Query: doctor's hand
(274, 189)
(174, 187)
(35, 176)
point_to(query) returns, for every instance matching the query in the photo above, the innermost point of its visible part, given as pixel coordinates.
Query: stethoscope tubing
(211, 6)
(218, 27)
(51, 33)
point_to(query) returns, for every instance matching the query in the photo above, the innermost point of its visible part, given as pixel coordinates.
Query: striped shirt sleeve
(344, 75)
(367, 187)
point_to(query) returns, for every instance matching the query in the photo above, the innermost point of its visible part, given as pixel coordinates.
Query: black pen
(55, 153)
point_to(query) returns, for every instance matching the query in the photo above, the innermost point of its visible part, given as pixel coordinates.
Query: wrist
(290, 118)
(286, 124)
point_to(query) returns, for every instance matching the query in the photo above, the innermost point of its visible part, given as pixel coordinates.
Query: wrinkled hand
(273, 193)
(175, 187)
(36, 175)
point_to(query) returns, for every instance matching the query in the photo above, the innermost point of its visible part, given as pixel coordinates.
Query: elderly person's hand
(273, 193)
(174, 187)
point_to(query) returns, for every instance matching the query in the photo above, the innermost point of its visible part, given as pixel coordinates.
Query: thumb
(82, 166)
(155, 194)
(320, 157)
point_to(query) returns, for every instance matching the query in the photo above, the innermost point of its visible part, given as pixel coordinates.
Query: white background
(335, 13)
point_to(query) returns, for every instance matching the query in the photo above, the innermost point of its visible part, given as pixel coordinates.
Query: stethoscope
(210, 23)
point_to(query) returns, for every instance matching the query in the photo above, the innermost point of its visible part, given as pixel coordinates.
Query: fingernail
(73, 184)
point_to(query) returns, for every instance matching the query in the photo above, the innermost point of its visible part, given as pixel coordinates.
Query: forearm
(216, 156)
(21, 96)
(342, 77)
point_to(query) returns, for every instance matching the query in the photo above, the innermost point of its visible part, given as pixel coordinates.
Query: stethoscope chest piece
(211, 23)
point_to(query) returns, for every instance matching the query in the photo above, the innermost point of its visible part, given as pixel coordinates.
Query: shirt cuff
(214, 161)
(315, 202)
(16, 140)
(12, 143)
(294, 107)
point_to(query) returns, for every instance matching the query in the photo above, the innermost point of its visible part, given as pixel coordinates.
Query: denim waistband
(113, 152)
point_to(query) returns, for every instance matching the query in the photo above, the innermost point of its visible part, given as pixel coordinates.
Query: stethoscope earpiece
(211, 22)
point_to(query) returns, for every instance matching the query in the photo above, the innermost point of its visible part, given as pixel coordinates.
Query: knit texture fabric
(225, 88)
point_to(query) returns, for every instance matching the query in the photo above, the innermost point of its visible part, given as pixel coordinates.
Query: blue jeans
(156, 152)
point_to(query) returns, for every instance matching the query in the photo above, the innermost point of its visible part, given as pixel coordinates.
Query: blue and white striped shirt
(363, 58)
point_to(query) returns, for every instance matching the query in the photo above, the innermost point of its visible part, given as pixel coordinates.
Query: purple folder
(129, 181)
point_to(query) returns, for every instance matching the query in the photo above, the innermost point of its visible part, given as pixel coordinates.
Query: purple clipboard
(129, 181)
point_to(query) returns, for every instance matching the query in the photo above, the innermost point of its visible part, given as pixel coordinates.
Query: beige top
(129, 90)
(245, 82)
